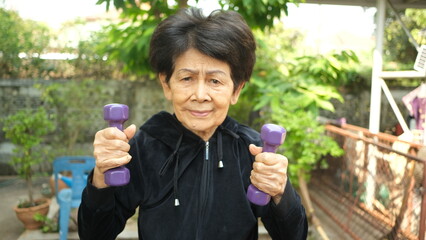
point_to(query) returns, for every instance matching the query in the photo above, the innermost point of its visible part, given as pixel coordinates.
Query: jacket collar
(166, 128)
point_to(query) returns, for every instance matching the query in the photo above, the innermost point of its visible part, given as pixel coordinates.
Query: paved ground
(11, 190)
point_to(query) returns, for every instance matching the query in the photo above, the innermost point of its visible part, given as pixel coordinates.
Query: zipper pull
(207, 151)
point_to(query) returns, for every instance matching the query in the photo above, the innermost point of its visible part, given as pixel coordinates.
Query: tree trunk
(304, 191)
(29, 182)
(183, 3)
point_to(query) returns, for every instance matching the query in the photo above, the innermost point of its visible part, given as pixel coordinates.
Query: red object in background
(398, 129)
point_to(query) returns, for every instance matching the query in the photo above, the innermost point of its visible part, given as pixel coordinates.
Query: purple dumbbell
(272, 136)
(116, 114)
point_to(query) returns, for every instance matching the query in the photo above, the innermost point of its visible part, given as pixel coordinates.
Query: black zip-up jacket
(183, 192)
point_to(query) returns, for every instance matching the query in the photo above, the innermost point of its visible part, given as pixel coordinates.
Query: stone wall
(143, 98)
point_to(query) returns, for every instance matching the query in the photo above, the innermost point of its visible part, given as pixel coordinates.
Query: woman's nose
(201, 92)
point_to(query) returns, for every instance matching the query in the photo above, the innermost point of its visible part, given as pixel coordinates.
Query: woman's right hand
(111, 150)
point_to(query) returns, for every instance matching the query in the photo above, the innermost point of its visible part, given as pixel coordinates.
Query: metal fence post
(423, 209)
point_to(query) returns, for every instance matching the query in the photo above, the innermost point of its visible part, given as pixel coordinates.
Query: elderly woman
(190, 170)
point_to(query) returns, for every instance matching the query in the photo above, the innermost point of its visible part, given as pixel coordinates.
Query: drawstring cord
(175, 181)
(171, 157)
(174, 156)
(220, 145)
(219, 149)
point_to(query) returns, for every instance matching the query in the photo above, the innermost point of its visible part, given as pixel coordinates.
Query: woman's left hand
(269, 172)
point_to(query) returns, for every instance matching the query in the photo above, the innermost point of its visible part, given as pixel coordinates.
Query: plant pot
(26, 215)
(61, 185)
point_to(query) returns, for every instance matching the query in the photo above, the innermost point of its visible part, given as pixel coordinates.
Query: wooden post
(309, 207)
(422, 223)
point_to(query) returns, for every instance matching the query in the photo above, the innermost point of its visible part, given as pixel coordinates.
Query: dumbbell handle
(116, 114)
(272, 136)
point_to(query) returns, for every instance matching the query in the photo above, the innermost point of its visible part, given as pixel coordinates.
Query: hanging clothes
(415, 101)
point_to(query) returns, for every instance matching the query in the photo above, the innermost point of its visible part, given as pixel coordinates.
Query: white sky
(331, 18)
(325, 26)
(328, 27)
(54, 12)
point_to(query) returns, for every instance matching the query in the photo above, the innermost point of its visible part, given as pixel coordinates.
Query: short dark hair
(223, 35)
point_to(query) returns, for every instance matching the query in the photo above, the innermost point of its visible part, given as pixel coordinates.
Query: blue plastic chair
(69, 198)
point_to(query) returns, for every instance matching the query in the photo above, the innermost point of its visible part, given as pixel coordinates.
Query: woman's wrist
(98, 179)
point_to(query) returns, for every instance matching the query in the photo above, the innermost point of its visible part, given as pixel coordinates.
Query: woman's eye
(215, 81)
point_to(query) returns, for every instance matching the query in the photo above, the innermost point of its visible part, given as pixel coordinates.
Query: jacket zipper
(205, 184)
(207, 151)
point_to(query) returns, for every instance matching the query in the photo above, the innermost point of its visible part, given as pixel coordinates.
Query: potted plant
(26, 129)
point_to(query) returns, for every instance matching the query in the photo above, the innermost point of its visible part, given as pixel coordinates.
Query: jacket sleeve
(287, 220)
(102, 213)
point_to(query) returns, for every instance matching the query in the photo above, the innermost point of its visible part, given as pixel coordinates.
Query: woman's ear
(236, 94)
(166, 87)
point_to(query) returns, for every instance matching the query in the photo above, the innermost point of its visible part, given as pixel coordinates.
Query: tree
(128, 41)
(27, 129)
(25, 37)
(290, 90)
(258, 14)
(399, 53)
(9, 42)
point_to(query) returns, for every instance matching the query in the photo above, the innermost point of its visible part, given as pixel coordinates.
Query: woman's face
(201, 91)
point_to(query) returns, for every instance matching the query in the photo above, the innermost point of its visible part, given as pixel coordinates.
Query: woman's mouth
(199, 113)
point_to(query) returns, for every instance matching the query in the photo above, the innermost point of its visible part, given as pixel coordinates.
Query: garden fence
(376, 189)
